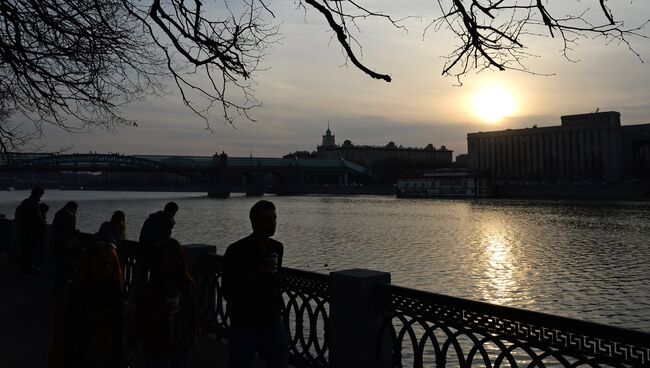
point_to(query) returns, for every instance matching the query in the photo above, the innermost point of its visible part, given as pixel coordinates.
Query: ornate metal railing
(127, 254)
(306, 316)
(217, 317)
(429, 329)
(305, 312)
(425, 329)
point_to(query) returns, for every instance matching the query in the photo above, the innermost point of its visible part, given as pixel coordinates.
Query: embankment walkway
(26, 319)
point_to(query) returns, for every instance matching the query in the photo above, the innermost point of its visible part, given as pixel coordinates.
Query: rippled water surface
(587, 260)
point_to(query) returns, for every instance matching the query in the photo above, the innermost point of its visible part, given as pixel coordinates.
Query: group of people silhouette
(97, 325)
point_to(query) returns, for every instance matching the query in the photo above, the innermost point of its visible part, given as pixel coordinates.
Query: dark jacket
(28, 213)
(29, 223)
(64, 238)
(106, 233)
(251, 281)
(156, 228)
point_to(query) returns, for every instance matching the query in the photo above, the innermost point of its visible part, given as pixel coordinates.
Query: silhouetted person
(64, 244)
(88, 315)
(29, 228)
(44, 208)
(118, 221)
(251, 286)
(106, 233)
(114, 232)
(156, 229)
(166, 312)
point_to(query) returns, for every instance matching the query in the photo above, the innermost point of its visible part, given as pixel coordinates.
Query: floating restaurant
(446, 183)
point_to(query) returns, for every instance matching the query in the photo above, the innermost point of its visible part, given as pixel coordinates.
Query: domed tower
(328, 138)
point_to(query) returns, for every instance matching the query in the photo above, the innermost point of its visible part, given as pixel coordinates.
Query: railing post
(356, 321)
(199, 269)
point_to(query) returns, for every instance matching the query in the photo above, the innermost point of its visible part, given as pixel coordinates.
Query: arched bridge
(216, 171)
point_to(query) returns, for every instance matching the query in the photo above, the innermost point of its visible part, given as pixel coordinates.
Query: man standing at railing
(251, 286)
(156, 229)
(29, 227)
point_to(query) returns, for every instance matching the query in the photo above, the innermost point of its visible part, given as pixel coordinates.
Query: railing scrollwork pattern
(428, 329)
(305, 312)
(127, 254)
(217, 316)
(306, 316)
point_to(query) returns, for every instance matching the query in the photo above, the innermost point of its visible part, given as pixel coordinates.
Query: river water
(586, 260)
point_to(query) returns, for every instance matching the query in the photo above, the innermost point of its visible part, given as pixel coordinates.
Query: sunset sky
(307, 85)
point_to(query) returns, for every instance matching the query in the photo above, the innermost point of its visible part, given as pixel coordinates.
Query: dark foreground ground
(26, 324)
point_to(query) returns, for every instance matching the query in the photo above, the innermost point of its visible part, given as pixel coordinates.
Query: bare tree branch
(76, 63)
(492, 32)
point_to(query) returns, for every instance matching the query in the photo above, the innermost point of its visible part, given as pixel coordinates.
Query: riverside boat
(446, 183)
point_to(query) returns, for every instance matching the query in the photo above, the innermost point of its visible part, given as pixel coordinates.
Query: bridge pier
(219, 187)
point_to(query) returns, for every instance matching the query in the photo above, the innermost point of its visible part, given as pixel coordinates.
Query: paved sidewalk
(26, 320)
(25, 317)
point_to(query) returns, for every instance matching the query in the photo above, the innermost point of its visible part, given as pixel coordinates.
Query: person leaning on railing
(156, 229)
(251, 287)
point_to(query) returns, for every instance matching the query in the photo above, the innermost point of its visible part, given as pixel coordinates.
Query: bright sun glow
(493, 103)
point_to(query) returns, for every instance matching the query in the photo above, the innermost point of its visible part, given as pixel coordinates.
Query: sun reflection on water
(502, 268)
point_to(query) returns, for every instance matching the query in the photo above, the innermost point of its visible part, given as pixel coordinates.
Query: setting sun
(493, 103)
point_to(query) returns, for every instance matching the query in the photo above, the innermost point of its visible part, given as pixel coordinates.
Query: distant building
(585, 147)
(462, 160)
(369, 155)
